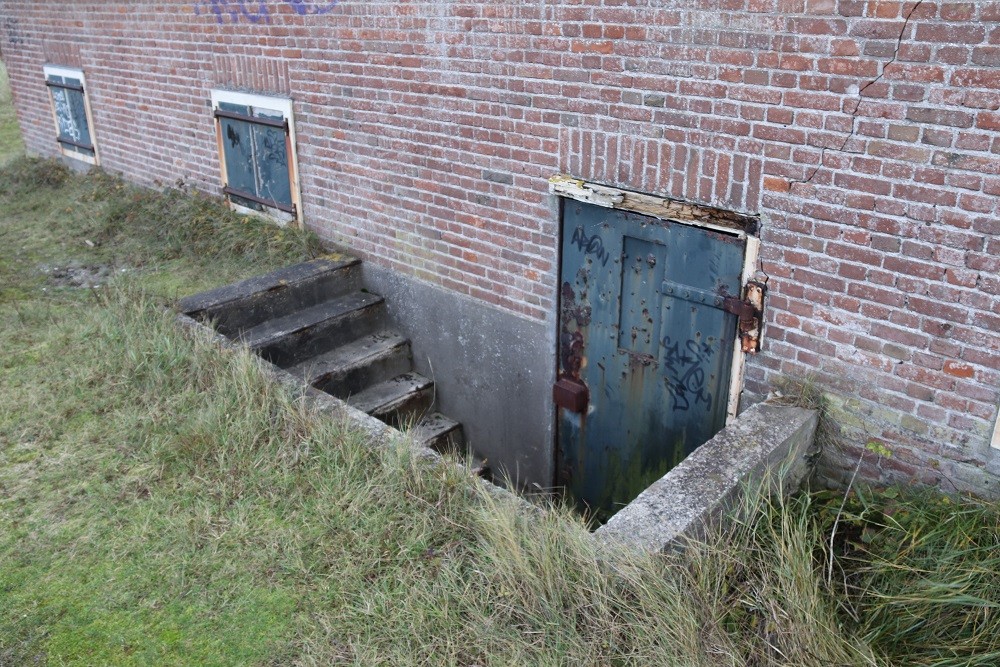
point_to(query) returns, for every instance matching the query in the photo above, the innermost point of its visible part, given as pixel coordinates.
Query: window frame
(68, 148)
(271, 105)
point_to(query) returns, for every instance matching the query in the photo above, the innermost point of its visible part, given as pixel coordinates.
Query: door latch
(571, 394)
(750, 312)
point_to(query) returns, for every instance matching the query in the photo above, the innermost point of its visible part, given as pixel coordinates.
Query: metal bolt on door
(645, 348)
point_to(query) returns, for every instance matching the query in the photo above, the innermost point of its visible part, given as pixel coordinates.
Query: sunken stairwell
(316, 321)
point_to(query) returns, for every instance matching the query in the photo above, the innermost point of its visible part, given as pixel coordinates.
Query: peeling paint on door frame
(740, 225)
(750, 258)
(995, 442)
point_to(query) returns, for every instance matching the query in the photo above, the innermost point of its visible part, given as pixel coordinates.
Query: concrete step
(350, 368)
(440, 433)
(397, 401)
(248, 303)
(444, 435)
(291, 339)
(313, 320)
(479, 466)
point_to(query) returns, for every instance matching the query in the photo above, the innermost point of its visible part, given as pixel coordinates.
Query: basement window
(257, 153)
(71, 112)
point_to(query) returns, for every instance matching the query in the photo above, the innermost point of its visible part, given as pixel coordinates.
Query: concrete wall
(766, 444)
(866, 134)
(492, 371)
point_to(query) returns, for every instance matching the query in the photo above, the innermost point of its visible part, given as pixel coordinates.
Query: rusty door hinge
(750, 311)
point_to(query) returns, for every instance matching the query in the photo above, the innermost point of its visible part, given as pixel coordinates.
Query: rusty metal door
(645, 348)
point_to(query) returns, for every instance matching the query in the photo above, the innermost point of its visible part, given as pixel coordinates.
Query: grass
(920, 574)
(162, 502)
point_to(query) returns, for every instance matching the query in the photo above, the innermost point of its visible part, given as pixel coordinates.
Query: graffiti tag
(258, 11)
(311, 8)
(234, 137)
(13, 29)
(274, 148)
(590, 245)
(64, 115)
(685, 366)
(236, 10)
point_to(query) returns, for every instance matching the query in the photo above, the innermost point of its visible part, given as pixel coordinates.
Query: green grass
(920, 574)
(88, 418)
(163, 503)
(10, 134)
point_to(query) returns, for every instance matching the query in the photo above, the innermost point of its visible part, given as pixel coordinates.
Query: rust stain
(574, 322)
(750, 312)
(639, 360)
(570, 391)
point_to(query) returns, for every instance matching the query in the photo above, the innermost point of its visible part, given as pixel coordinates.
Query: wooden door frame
(740, 225)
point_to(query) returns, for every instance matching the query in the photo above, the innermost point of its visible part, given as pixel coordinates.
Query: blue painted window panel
(237, 145)
(235, 108)
(71, 115)
(272, 164)
(256, 157)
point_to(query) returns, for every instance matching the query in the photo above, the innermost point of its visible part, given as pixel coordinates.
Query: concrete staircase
(316, 321)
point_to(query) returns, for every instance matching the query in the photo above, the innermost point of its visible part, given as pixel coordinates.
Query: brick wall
(865, 133)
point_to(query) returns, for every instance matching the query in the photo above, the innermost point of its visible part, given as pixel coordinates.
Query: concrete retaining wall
(764, 440)
(379, 433)
(493, 371)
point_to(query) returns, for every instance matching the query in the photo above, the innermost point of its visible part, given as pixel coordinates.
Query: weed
(29, 174)
(802, 392)
(921, 574)
(761, 572)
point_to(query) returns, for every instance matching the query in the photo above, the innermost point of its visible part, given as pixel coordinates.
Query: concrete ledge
(765, 439)
(493, 371)
(379, 433)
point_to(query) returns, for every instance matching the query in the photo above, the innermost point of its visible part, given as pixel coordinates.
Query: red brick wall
(865, 133)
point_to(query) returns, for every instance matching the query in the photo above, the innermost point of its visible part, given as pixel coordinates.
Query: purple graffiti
(237, 10)
(310, 7)
(257, 11)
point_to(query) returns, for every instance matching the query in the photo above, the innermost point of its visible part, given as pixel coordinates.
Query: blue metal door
(645, 348)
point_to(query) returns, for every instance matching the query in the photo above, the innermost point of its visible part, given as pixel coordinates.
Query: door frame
(740, 225)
